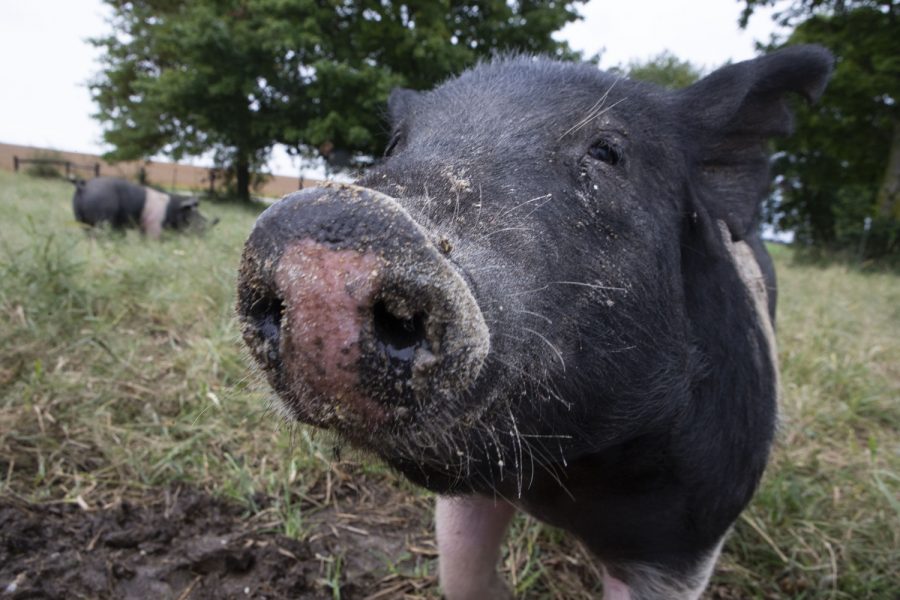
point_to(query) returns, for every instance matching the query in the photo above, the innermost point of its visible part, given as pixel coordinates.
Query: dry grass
(121, 371)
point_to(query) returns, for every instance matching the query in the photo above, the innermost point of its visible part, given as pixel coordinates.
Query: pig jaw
(357, 320)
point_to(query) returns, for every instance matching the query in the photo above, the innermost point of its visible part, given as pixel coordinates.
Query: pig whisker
(550, 344)
(505, 212)
(467, 454)
(536, 208)
(424, 207)
(594, 111)
(594, 286)
(598, 105)
(545, 436)
(530, 378)
(537, 454)
(549, 467)
(531, 467)
(519, 462)
(512, 337)
(491, 484)
(497, 493)
(496, 231)
(534, 314)
(605, 110)
(500, 463)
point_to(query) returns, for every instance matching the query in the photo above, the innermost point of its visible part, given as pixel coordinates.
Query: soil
(182, 543)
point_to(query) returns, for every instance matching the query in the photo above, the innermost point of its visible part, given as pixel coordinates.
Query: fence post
(96, 169)
(212, 182)
(861, 251)
(68, 167)
(15, 164)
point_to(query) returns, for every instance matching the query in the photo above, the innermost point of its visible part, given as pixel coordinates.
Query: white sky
(45, 60)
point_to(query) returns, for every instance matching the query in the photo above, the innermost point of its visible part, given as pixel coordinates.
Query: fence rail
(172, 176)
(68, 164)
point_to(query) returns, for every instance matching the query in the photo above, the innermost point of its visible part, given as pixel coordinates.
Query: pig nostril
(265, 315)
(399, 336)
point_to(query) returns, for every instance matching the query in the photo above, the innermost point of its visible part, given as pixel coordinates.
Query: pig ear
(733, 112)
(189, 202)
(400, 103)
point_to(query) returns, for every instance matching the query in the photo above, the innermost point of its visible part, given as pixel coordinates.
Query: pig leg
(469, 532)
(639, 581)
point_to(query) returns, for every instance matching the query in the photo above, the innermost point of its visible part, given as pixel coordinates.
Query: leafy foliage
(796, 11)
(237, 76)
(665, 69)
(839, 172)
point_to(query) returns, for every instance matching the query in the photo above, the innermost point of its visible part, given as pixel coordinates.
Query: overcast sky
(45, 59)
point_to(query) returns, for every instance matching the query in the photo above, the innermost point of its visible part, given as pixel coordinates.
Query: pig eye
(602, 150)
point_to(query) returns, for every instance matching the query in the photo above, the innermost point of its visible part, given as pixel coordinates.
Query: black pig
(551, 296)
(124, 204)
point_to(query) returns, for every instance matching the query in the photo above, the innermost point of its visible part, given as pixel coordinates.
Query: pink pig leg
(469, 532)
(614, 589)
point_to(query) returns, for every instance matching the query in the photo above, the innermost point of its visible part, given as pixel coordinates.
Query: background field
(122, 379)
(167, 175)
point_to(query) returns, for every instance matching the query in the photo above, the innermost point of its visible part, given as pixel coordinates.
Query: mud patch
(182, 543)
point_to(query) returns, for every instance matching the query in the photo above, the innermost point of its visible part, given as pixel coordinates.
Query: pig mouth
(359, 323)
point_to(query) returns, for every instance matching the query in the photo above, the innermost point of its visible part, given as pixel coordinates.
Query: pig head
(550, 295)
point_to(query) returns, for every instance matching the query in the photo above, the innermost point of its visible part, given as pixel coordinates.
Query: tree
(236, 77)
(664, 69)
(840, 171)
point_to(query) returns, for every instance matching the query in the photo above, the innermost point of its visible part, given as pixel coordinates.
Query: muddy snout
(352, 312)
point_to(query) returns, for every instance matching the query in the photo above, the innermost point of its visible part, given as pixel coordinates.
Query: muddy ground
(182, 543)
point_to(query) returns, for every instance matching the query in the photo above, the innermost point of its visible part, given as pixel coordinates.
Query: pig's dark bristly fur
(608, 231)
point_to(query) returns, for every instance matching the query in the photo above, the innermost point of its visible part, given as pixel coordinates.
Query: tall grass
(121, 370)
(826, 522)
(121, 359)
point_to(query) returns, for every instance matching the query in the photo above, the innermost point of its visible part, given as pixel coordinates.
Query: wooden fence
(162, 174)
(69, 165)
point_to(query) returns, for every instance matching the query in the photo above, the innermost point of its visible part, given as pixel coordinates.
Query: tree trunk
(889, 192)
(242, 173)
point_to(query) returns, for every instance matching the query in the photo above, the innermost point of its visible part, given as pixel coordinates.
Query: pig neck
(700, 467)
(728, 427)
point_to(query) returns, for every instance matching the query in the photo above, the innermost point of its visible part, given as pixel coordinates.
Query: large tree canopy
(840, 171)
(237, 76)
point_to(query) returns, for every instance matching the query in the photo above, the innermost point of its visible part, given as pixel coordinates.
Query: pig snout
(351, 311)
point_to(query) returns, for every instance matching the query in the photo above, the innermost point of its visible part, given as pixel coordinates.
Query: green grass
(121, 370)
(121, 361)
(826, 522)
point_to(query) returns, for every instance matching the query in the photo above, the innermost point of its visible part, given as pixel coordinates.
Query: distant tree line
(236, 77)
(837, 178)
(839, 174)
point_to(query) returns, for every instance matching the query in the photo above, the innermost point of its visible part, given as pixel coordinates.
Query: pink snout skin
(327, 295)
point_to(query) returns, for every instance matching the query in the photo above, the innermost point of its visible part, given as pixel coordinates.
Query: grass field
(122, 373)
